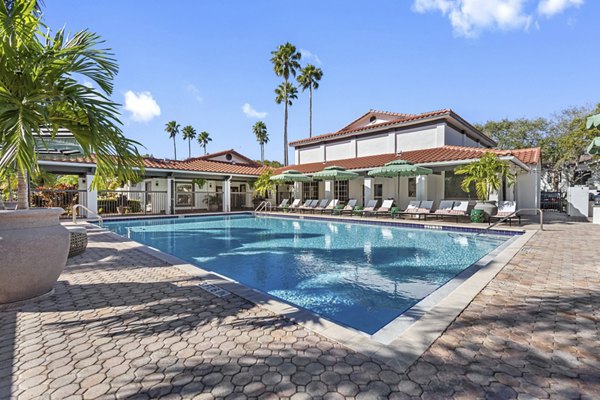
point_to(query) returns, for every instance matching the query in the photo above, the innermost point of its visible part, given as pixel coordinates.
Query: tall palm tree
(39, 88)
(285, 63)
(260, 131)
(189, 134)
(309, 79)
(203, 139)
(172, 128)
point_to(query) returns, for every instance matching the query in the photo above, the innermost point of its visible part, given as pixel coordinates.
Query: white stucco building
(440, 140)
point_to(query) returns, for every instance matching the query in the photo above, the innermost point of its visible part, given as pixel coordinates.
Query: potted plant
(213, 201)
(486, 176)
(42, 88)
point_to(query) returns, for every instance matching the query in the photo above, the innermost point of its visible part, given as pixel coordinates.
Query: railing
(263, 206)
(76, 206)
(136, 202)
(63, 198)
(515, 214)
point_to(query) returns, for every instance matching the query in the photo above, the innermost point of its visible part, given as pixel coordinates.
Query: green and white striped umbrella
(593, 121)
(399, 168)
(335, 173)
(290, 175)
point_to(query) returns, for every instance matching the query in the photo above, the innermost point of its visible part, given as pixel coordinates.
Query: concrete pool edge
(404, 349)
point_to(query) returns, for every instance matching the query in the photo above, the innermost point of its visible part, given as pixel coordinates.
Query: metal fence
(65, 199)
(135, 202)
(552, 201)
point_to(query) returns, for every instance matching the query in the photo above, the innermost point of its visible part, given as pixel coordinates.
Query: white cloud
(193, 90)
(251, 112)
(470, 17)
(308, 55)
(553, 7)
(142, 106)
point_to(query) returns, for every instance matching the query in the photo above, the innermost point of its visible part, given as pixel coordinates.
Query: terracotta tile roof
(401, 119)
(376, 113)
(194, 164)
(438, 154)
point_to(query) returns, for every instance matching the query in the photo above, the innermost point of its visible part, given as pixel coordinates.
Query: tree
(189, 134)
(172, 128)
(263, 186)
(40, 75)
(285, 93)
(486, 174)
(271, 163)
(285, 63)
(203, 139)
(516, 134)
(309, 79)
(260, 131)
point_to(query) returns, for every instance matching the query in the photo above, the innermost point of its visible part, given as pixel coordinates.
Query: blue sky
(199, 63)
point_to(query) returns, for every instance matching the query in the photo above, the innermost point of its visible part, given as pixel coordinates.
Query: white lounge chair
(385, 208)
(370, 207)
(348, 208)
(283, 204)
(330, 207)
(308, 205)
(506, 209)
(321, 206)
(295, 204)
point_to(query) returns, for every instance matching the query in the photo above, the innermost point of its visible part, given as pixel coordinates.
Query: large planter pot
(488, 207)
(33, 248)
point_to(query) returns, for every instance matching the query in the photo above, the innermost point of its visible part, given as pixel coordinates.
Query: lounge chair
(348, 208)
(370, 208)
(306, 204)
(385, 208)
(506, 209)
(294, 206)
(283, 204)
(443, 209)
(459, 209)
(418, 209)
(330, 207)
(412, 208)
(309, 207)
(321, 206)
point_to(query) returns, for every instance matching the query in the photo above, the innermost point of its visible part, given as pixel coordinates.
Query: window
(184, 194)
(340, 191)
(452, 188)
(378, 192)
(412, 187)
(310, 190)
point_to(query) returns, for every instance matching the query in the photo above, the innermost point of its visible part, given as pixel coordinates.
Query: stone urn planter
(33, 248)
(488, 207)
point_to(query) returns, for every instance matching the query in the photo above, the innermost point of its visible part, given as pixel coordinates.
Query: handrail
(88, 210)
(264, 205)
(513, 214)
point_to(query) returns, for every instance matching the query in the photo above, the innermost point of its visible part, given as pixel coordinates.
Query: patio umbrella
(290, 175)
(398, 168)
(335, 173)
(593, 121)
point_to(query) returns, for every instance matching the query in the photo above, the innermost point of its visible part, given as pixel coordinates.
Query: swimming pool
(358, 275)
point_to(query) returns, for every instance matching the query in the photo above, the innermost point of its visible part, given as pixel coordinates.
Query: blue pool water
(359, 275)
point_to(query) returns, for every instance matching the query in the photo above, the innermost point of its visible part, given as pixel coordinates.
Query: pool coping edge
(405, 348)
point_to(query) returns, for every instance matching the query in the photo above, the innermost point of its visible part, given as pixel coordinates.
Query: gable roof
(224, 152)
(434, 155)
(355, 128)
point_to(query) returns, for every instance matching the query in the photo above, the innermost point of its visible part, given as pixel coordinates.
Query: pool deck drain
(124, 323)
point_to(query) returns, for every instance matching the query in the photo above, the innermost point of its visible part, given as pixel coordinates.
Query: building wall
(340, 150)
(390, 141)
(528, 186)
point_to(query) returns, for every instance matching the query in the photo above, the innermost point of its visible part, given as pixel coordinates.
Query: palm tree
(203, 139)
(285, 63)
(39, 88)
(189, 134)
(309, 79)
(260, 131)
(172, 128)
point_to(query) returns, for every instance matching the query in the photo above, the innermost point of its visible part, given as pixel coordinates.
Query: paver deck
(123, 324)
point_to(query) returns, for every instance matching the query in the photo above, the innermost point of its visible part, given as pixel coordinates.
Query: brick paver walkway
(122, 324)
